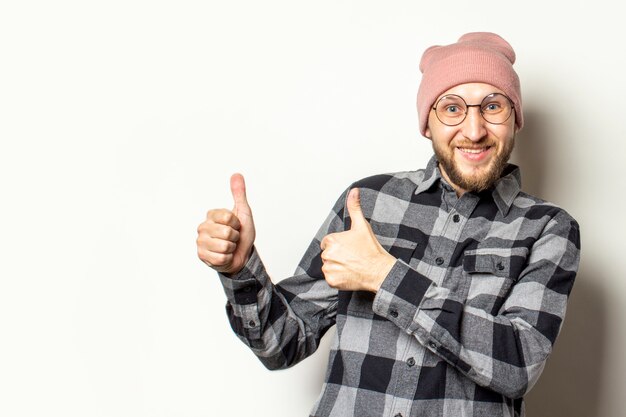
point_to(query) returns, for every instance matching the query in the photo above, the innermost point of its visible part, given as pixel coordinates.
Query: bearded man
(448, 285)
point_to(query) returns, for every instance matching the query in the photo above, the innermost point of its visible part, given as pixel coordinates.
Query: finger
(238, 189)
(216, 259)
(219, 245)
(220, 231)
(354, 209)
(225, 217)
(327, 241)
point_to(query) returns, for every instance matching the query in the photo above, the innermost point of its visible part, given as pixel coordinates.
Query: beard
(481, 179)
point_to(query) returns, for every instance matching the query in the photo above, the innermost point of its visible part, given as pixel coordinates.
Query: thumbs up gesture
(226, 237)
(354, 260)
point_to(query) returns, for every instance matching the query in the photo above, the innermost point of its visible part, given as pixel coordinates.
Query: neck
(459, 191)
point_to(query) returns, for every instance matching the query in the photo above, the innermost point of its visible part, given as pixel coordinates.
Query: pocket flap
(487, 263)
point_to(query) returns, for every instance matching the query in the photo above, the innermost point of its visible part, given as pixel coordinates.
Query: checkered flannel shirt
(461, 326)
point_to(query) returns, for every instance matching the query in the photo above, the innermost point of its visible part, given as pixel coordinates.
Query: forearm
(284, 323)
(279, 333)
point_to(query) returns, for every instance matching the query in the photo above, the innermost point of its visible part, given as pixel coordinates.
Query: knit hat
(479, 57)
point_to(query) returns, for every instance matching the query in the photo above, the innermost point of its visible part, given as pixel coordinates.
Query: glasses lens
(451, 109)
(496, 108)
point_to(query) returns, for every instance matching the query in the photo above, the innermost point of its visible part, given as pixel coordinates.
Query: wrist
(385, 264)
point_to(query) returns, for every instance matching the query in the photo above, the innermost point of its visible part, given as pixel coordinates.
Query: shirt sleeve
(283, 323)
(506, 351)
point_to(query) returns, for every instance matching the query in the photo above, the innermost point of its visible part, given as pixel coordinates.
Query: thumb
(238, 189)
(354, 209)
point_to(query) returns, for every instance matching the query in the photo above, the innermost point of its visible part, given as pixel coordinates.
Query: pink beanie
(479, 57)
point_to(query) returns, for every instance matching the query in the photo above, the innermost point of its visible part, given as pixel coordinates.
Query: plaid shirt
(462, 324)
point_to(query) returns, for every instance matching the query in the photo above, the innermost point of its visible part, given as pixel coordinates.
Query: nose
(474, 124)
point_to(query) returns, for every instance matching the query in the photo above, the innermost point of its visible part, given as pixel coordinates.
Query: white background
(121, 122)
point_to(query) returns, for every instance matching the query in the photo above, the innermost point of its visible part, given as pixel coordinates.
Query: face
(472, 154)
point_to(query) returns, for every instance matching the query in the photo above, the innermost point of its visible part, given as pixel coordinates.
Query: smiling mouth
(474, 150)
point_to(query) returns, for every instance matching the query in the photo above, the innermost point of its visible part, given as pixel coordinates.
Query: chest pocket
(491, 273)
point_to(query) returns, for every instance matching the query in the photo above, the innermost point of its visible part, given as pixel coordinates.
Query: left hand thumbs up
(354, 260)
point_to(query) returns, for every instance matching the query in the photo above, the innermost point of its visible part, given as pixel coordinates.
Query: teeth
(469, 150)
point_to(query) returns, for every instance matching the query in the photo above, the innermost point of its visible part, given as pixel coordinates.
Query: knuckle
(233, 235)
(218, 215)
(212, 214)
(227, 247)
(219, 259)
(220, 231)
(226, 216)
(227, 233)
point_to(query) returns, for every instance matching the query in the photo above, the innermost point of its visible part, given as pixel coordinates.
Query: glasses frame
(480, 108)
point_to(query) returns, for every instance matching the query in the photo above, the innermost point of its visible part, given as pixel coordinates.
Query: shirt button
(499, 266)
(456, 218)
(439, 261)
(410, 362)
(393, 313)
(251, 323)
(432, 345)
(247, 289)
(398, 415)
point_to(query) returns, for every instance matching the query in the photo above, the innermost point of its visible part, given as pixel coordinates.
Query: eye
(493, 107)
(451, 109)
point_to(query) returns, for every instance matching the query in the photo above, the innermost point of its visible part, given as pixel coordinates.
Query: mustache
(483, 142)
(480, 144)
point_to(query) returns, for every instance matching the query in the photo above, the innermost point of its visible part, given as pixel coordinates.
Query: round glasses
(451, 109)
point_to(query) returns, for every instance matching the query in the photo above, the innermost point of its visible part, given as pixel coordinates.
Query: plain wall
(121, 122)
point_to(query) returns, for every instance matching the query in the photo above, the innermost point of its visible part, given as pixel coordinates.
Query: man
(448, 285)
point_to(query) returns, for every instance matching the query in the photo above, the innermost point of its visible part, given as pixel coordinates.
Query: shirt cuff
(243, 286)
(399, 297)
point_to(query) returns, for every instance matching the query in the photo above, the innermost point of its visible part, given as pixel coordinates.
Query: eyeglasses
(451, 109)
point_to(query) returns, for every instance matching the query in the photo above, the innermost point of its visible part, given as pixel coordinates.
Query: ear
(427, 133)
(515, 126)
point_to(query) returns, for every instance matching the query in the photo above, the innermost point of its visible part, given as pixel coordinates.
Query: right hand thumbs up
(238, 189)
(226, 237)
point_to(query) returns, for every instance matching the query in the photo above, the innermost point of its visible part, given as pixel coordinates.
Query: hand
(354, 260)
(226, 237)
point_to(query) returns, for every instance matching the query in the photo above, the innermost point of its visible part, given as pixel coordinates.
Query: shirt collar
(503, 193)
(507, 188)
(431, 176)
